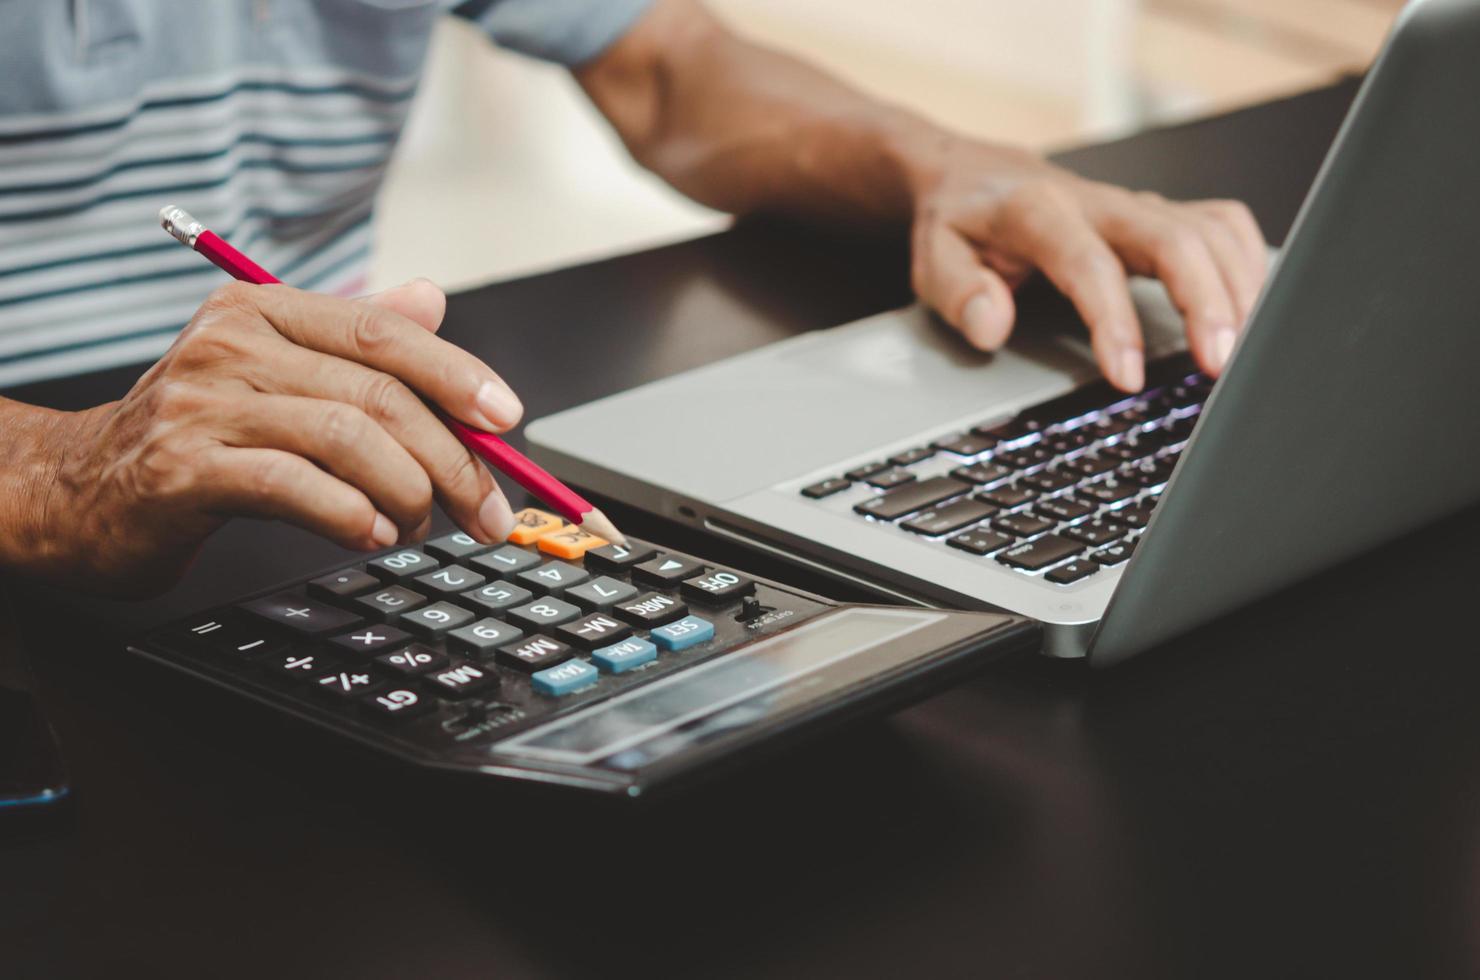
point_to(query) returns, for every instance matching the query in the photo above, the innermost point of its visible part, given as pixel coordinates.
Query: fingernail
(496, 517)
(1129, 370)
(1223, 341)
(384, 532)
(498, 406)
(976, 317)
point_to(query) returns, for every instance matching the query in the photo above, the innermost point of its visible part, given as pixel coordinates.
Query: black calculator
(559, 658)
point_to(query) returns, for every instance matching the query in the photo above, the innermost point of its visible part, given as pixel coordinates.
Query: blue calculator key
(564, 678)
(687, 632)
(621, 657)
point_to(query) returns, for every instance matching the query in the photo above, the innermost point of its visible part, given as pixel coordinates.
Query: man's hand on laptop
(272, 403)
(986, 217)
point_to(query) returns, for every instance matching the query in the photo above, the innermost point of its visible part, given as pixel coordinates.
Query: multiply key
(651, 609)
(370, 640)
(596, 630)
(717, 587)
(299, 614)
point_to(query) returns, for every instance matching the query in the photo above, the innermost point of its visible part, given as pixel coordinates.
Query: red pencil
(508, 460)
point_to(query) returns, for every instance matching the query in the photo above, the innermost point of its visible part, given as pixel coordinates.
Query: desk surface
(1292, 791)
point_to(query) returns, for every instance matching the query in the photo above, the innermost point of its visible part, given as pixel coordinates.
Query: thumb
(420, 300)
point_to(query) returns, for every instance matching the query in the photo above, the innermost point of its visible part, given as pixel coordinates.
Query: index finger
(383, 339)
(1050, 231)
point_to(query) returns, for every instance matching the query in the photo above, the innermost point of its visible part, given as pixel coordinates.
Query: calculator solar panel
(561, 658)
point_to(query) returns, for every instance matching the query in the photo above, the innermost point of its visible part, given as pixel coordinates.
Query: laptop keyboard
(1061, 491)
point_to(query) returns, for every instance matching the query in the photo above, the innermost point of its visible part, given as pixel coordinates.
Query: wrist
(33, 497)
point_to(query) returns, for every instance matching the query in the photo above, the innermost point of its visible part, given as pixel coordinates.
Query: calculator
(559, 658)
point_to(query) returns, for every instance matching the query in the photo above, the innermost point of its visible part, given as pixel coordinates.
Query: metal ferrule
(178, 222)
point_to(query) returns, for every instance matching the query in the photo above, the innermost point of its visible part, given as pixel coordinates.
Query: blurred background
(519, 174)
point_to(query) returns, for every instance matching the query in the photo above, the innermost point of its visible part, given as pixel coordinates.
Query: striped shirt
(271, 120)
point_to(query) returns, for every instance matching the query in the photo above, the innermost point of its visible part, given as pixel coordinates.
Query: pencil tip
(598, 524)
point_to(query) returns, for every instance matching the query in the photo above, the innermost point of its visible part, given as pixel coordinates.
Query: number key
(542, 613)
(506, 561)
(450, 580)
(387, 604)
(483, 636)
(553, 577)
(495, 597)
(400, 565)
(439, 617)
(455, 546)
(601, 593)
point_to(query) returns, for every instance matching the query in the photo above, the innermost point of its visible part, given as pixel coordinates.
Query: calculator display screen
(736, 691)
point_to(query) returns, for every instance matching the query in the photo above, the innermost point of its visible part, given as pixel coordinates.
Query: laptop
(887, 453)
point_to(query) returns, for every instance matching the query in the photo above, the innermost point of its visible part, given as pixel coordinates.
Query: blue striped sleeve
(569, 32)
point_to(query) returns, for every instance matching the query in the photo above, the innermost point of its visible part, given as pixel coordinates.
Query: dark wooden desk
(1290, 792)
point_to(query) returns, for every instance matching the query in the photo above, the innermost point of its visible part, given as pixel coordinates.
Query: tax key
(622, 657)
(567, 677)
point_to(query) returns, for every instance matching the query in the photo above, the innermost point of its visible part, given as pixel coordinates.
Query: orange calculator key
(570, 542)
(531, 524)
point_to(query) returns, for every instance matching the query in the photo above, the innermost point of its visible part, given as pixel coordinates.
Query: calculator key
(1040, 553)
(621, 657)
(460, 680)
(449, 581)
(455, 546)
(982, 473)
(1009, 497)
(220, 633)
(300, 665)
(400, 565)
(571, 543)
(347, 683)
(866, 470)
(616, 558)
(389, 603)
(506, 561)
(596, 630)
(483, 637)
(495, 597)
(980, 542)
(717, 587)
(299, 614)
(345, 584)
(534, 653)
(439, 617)
(401, 702)
(573, 675)
(1072, 571)
(667, 570)
(687, 632)
(826, 488)
(542, 614)
(553, 577)
(531, 524)
(1023, 525)
(890, 478)
(951, 517)
(600, 593)
(415, 659)
(370, 640)
(651, 609)
(1114, 554)
(911, 456)
(907, 500)
(1096, 532)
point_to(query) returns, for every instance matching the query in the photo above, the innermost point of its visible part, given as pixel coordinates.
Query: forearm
(743, 128)
(31, 447)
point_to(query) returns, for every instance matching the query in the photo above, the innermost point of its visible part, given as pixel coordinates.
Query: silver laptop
(888, 453)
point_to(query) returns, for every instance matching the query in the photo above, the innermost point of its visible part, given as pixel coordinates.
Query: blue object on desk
(687, 632)
(564, 678)
(621, 657)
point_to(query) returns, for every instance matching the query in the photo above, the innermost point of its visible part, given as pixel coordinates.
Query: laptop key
(1063, 508)
(911, 456)
(965, 444)
(1115, 554)
(891, 478)
(1110, 491)
(1092, 465)
(1009, 497)
(1072, 571)
(907, 500)
(983, 473)
(826, 488)
(1023, 525)
(951, 517)
(1050, 480)
(1096, 532)
(980, 542)
(1040, 553)
(1024, 459)
(865, 471)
